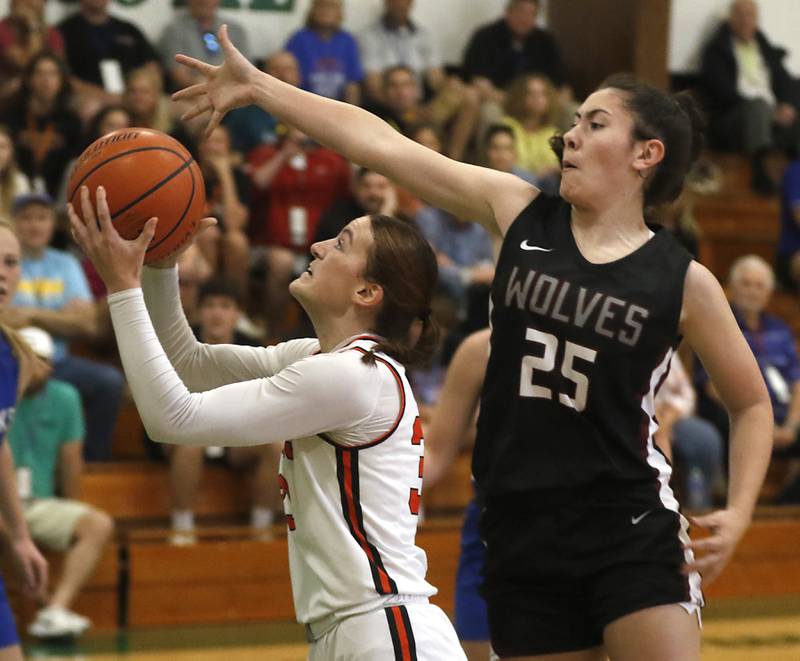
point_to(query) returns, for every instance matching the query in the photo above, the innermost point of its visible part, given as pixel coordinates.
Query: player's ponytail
(404, 264)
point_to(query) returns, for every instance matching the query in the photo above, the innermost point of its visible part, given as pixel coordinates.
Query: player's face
(335, 275)
(599, 153)
(218, 318)
(371, 191)
(35, 225)
(751, 288)
(9, 266)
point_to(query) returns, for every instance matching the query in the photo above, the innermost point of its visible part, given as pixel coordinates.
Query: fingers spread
(198, 109)
(190, 92)
(197, 65)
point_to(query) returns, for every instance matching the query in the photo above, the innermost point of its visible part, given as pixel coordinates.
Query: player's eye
(594, 126)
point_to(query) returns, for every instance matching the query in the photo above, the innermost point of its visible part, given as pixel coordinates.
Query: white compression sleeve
(203, 366)
(297, 402)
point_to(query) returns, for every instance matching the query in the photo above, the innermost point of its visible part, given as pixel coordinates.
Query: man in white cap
(46, 440)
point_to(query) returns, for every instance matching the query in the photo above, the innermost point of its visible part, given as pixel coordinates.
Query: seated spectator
(193, 32)
(751, 283)
(53, 294)
(510, 47)
(464, 254)
(394, 40)
(328, 56)
(403, 108)
(693, 444)
(226, 246)
(145, 101)
(788, 258)
(293, 181)
(101, 51)
(500, 149)
(532, 112)
(12, 181)
(23, 35)
(45, 131)
(46, 439)
(250, 126)
(751, 97)
(219, 307)
(372, 193)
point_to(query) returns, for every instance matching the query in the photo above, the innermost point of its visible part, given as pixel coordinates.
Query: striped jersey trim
(349, 490)
(405, 647)
(658, 462)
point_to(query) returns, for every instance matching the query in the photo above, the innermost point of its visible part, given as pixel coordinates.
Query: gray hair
(743, 262)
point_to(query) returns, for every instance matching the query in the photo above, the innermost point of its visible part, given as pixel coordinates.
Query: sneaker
(58, 622)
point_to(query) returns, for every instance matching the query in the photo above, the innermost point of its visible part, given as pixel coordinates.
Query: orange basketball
(145, 173)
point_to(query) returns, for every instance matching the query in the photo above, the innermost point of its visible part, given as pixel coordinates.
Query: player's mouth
(568, 165)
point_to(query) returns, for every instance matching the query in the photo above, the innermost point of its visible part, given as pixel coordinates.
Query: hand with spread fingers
(224, 87)
(726, 528)
(117, 260)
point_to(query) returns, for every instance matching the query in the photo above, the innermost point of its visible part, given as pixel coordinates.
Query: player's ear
(369, 294)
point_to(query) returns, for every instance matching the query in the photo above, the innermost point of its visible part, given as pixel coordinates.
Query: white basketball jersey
(352, 511)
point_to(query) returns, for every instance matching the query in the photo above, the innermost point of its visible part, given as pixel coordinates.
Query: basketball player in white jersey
(351, 470)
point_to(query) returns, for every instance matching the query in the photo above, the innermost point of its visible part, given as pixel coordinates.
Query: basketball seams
(153, 246)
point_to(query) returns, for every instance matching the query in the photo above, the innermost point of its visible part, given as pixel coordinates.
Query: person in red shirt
(293, 183)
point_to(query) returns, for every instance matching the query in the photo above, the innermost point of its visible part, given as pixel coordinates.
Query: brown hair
(518, 90)
(8, 177)
(402, 261)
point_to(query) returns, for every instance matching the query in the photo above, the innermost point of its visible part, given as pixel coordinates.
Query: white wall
(452, 20)
(693, 20)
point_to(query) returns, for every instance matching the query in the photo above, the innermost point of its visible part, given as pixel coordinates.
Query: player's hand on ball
(726, 528)
(169, 262)
(117, 260)
(224, 87)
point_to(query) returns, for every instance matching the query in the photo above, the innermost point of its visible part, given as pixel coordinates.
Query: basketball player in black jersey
(587, 553)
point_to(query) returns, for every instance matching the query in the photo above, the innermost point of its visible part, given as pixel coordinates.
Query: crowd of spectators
(275, 192)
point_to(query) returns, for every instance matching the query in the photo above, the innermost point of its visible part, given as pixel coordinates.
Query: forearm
(66, 323)
(10, 507)
(750, 450)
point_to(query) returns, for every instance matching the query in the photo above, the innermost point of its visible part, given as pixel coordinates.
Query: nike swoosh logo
(524, 245)
(636, 519)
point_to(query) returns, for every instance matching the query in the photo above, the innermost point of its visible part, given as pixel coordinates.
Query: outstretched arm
(455, 411)
(711, 329)
(491, 198)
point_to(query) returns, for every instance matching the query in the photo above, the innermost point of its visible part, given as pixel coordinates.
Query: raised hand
(224, 87)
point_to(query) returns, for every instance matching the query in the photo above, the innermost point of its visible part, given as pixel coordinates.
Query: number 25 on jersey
(547, 363)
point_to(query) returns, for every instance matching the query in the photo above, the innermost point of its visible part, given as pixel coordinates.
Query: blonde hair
(518, 90)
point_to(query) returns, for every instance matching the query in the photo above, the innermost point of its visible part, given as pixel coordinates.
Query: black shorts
(560, 566)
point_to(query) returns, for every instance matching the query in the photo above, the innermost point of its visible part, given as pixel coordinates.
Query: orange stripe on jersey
(405, 647)
(349, 490)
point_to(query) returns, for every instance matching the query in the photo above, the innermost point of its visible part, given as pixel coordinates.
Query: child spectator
(219, 310)
(46, 439)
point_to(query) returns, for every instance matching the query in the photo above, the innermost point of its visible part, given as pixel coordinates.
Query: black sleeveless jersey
(578, 351)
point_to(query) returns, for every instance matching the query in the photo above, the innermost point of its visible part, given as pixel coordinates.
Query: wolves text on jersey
(560, 300)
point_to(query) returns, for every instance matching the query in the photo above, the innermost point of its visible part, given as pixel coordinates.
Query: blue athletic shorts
(472, 622)
(8, 627)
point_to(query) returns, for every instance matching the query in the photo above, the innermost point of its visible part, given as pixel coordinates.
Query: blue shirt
(774, 348)
(50, 283)
(466, 244)
(9, 378)
(327, 66)
(789, 242)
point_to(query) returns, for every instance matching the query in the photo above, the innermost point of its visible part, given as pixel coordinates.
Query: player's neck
(331, 333)
(616, 227)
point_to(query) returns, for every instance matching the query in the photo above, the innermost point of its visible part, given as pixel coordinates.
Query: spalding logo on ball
(145, 173)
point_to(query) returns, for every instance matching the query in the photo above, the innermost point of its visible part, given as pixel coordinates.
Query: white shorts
(52, 521)
(409, 632)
